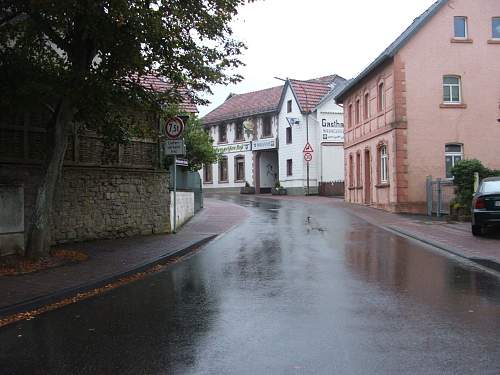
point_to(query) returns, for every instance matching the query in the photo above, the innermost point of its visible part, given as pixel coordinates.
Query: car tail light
(480, 204)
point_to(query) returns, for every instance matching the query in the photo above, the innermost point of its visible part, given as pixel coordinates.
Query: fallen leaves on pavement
(17, 265)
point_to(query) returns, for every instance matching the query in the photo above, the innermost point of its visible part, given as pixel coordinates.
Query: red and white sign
(174, 127)
(308, 148)
(308, 156)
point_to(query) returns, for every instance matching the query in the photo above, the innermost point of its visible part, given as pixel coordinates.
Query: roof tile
(244, 105)
(161, 85)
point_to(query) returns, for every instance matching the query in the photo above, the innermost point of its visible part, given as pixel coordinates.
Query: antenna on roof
(281, 79)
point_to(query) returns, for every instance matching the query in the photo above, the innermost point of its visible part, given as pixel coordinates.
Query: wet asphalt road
(280, 294)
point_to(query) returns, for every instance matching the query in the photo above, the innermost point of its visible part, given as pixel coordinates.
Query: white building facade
(262, 136)
(245, 131)
(308, 114)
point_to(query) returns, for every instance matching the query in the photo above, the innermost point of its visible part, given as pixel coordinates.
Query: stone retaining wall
(94, 203)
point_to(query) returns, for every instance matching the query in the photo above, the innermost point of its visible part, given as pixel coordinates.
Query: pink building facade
(429, 100)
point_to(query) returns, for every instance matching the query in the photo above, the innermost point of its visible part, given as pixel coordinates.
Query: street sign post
(308, 148)
(174, 127)
(308, 156)
(175, 147)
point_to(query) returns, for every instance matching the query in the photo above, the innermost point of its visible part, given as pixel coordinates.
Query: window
(239, 135)
(358, 170)
(381, 97)
(384, 165)
(289, 167)
(239, 166)
(451, 90)
(366, 107)
(490, 187)
(289, 135)
(460, 26)
(266, 127)
(357, 111)
(289, 106)
(222, 133)
(495, 25)
(349, 115)
(223, 169)
(453, 154)
(207, 173)
(351, 171)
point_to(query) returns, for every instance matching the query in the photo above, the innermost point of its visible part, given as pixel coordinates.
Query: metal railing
(440, 194)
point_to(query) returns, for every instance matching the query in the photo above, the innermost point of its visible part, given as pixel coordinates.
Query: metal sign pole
(307, 139)
(175, 193)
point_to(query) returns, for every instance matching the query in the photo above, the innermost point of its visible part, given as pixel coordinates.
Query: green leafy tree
(463, 173)
(83, 60)
(199, 145)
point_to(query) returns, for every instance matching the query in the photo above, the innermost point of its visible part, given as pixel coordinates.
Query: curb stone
(483, 262)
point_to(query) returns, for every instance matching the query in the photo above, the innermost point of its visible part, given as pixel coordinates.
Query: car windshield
(491, 187)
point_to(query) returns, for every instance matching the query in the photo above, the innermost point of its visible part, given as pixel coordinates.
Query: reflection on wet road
(296, 289)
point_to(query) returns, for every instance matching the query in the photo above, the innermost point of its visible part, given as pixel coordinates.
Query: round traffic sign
(174, 127)
(308, 156)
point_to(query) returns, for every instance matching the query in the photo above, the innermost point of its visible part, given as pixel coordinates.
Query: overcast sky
(306, 39)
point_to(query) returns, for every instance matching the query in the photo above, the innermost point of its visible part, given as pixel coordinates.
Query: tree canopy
(84, 60)
(94, 52)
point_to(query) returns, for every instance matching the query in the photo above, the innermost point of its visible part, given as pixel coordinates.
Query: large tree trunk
(39, 234)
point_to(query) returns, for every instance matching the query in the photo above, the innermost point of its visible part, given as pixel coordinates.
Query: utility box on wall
(11, 220)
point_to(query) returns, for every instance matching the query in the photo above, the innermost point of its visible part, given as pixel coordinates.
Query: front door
(368, 178)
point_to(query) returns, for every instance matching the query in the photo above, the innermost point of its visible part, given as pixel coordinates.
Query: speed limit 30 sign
(174, 127)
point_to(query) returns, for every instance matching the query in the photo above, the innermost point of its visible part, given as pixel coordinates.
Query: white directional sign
(175, 147)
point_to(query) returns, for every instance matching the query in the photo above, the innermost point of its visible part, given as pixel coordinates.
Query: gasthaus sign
(238, 147)
(332, 130)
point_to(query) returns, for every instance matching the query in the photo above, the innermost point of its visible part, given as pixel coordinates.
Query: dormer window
(460, 28)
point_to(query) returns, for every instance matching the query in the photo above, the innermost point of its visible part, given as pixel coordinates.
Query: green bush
(463, 173)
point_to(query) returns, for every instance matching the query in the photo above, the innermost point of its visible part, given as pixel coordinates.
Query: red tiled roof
(326, 79)
(245, 105)
(309, 93)
(161, 85)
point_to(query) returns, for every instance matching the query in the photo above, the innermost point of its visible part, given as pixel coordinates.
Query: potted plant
(247, 189)
(278, 189)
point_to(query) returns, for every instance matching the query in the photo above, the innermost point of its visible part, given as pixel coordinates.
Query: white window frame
(384, 165)
(466, 26)
(240, 159)
(450, 86)
(454, 157)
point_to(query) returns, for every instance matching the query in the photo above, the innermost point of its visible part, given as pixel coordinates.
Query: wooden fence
(23, 139)
(332, 189)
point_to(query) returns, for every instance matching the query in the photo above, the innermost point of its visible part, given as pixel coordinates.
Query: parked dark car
(486, 205)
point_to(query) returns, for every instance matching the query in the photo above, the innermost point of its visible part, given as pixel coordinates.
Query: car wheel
(477, 230)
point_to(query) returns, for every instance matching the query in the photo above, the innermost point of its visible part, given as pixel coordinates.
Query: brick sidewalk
(453, 237)
(110, 258)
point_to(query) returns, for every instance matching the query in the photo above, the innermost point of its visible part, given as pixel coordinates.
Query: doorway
(266, 171)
